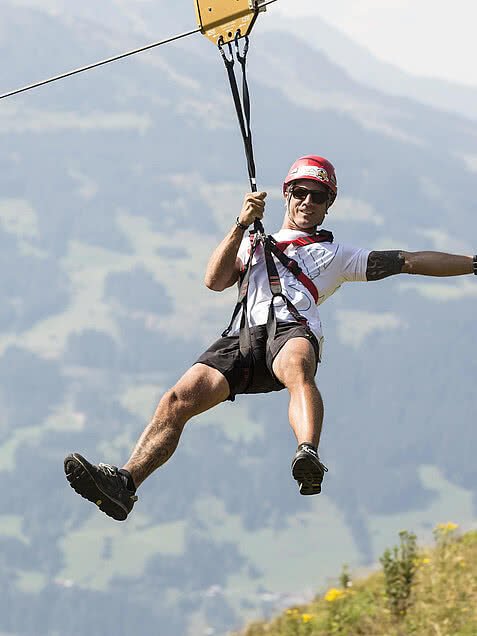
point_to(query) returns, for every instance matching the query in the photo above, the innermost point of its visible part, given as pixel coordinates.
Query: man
(283, 353)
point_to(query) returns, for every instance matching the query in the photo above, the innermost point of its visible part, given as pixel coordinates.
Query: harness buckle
(275, 285)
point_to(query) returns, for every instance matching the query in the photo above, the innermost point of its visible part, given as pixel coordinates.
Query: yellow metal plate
(223, 18)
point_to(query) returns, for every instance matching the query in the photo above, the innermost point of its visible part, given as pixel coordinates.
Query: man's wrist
(242, 226)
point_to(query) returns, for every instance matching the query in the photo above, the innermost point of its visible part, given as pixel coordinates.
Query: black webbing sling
(258, 236)
(242, 106)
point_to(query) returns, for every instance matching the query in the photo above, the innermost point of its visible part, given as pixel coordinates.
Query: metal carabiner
(228, 62)
(241, 58)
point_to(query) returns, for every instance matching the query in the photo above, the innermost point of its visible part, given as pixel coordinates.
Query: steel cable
(108, 60)
(96, 64)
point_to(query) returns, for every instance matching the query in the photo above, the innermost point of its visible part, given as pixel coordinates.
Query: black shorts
(224, 355)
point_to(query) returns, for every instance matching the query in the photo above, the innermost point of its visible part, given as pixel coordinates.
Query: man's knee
(298, 368)
(199, 389)
(296, 362)
(175, 399)
(182, 398)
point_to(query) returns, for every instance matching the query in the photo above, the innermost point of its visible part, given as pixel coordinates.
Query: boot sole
(308, 476)
(83, 483)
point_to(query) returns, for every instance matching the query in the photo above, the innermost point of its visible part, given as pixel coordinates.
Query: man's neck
(310, 231)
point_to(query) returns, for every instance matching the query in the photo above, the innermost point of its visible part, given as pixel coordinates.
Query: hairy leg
(199, 389)
(295, 367)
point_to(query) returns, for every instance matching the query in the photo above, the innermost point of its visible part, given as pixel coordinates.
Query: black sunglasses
(317, 196)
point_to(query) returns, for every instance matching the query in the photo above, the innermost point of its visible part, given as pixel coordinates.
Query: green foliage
(345, 578)
(399, 568)
(417, 593)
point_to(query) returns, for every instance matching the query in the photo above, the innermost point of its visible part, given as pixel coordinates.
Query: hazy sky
(425, 37)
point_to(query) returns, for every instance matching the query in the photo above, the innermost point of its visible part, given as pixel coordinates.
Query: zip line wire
(96, 64)
(108, 60)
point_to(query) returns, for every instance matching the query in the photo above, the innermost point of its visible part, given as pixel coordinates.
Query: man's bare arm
(386, 263)
(223, 269)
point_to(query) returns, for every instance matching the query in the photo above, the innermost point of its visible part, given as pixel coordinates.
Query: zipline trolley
(221, 20)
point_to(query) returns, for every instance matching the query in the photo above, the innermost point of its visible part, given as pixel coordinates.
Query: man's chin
(306, 223)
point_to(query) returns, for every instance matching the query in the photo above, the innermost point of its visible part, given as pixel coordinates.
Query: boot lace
(108, 469)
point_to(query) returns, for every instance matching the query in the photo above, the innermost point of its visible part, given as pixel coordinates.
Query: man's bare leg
(110, 488)
(295, 367)
(199, 389)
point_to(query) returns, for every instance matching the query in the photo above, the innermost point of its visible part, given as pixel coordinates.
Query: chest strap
(323, 236)
(277, 248)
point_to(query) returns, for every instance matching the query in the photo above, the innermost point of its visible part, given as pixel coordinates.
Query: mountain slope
(368, 70)
(116, 186)
(421, 591)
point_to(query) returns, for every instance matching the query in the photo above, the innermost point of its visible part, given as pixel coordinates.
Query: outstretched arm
(384, 264)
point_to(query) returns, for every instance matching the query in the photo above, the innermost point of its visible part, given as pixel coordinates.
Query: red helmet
(315, 168)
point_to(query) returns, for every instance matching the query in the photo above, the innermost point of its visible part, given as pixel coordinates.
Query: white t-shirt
(328, 265)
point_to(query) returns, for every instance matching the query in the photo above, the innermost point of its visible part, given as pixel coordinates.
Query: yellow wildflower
(446, 528)
(307, 617)
(292, 611)
(426, 561)
(333, 594)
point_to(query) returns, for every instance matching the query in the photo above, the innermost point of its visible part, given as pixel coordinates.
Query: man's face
(304, 213)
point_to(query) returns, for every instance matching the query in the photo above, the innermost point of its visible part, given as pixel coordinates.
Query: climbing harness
(270, 248)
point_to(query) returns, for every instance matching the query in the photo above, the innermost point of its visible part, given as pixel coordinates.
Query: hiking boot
(104, 485)
(308, 470)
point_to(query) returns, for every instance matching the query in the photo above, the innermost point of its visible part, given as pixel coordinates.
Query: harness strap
(295, 269)
(323, 236)
(243, 286)
(271, 248)
(245, 340)
(278, 248)
(276, 287)
(277, 292)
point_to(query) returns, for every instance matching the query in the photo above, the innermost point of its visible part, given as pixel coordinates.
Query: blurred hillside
(418, 591)
(116, 186)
